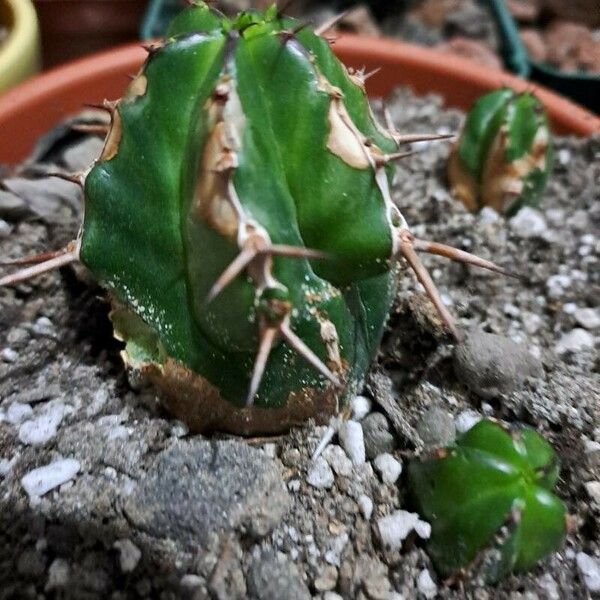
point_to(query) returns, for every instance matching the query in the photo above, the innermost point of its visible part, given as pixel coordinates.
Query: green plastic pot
(581, 87)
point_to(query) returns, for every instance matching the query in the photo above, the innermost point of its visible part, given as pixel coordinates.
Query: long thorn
(387, 158)
(36, 258)
(39, 269)
(237, 265)
(367, 76)
(460, 256)
(294, 252)
(76, 178)
(301, 348)
(264, 349)
(331, 23)
(410, 138)
(408, 252)
(91, 128)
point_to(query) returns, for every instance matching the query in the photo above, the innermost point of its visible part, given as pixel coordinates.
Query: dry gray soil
(132, 506)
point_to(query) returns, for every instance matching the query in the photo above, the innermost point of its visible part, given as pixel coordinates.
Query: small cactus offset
(504, 154)
(240, 217)
(489, 501)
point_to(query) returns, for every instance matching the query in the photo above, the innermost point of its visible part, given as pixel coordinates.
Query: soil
(133, 506)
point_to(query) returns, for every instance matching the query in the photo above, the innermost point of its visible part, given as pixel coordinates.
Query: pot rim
(31, 108)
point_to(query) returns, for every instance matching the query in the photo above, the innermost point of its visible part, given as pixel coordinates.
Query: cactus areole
(240, 216)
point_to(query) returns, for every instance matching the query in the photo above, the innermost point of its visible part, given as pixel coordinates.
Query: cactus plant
(240, 217)
(489, 500)
(504, 154)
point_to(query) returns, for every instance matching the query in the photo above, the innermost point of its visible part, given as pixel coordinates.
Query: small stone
(423, 529)
(43, 479)
(17, 413)
(589, 568)
(360, 406)
(395, 528)
(5, 229)
(436, 428)
(528, 223)
(7, 465)
(331, 596)
(564, 156)
(575, 341)
(588, 318)
(193, 587)
(43, 428)
(557, 285)
(388, 467)
(548, 587)
(466, 420)
(11, 206)
(333, 555)
(492, 365)
(58, 575)
(487, 216)
(593, 490)
(352, 441)
(327, 580)
(129, 555)
(426, 585)
(273, 576)
(320, 475)
(365, 504)
(43, 327)
(338, 460)
(377, 436)
(9, 355)
(531, 322)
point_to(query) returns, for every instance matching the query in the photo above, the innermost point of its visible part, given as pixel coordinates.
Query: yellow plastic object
(20, 50)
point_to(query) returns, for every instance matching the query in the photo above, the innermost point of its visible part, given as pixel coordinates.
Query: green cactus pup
(489, 501)
(240, 218)
(504, 155)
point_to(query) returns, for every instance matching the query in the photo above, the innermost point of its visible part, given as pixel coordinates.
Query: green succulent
(504, 154)
(489, 501)
(240, 217)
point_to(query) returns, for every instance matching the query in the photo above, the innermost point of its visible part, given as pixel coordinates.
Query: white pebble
(528, 223)
(333, 556)
(43, 479)
(423, 529)
(129, 555)
(58, 575)
(557, 285)
(588, 318)
(352, 441)
(564, 156)
(426, 585)
(8, 355)
(593, 490)
(43, 327)
(394, 528)
(589, 568)
(337, 460)
(487, 215)
(365, 504)
(17, 413)
(4, 229)
(7, 465)
(361, 406)
(465, 420)
(389, 468)
(331, 596)
(43, 428)
(320, 475)
(574, 341)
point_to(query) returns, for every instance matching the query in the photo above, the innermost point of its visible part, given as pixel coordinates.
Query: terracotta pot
(32, 108)
(20, 51)
(73, 28)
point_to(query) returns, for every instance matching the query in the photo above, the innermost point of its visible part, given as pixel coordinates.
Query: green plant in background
(504, 154)
(489, 501)
(240, 216)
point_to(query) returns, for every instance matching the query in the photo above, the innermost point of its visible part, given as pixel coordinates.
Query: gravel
(388, 467)
(223, 517)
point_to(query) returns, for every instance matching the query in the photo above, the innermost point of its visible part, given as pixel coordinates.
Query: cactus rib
(241, 216)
